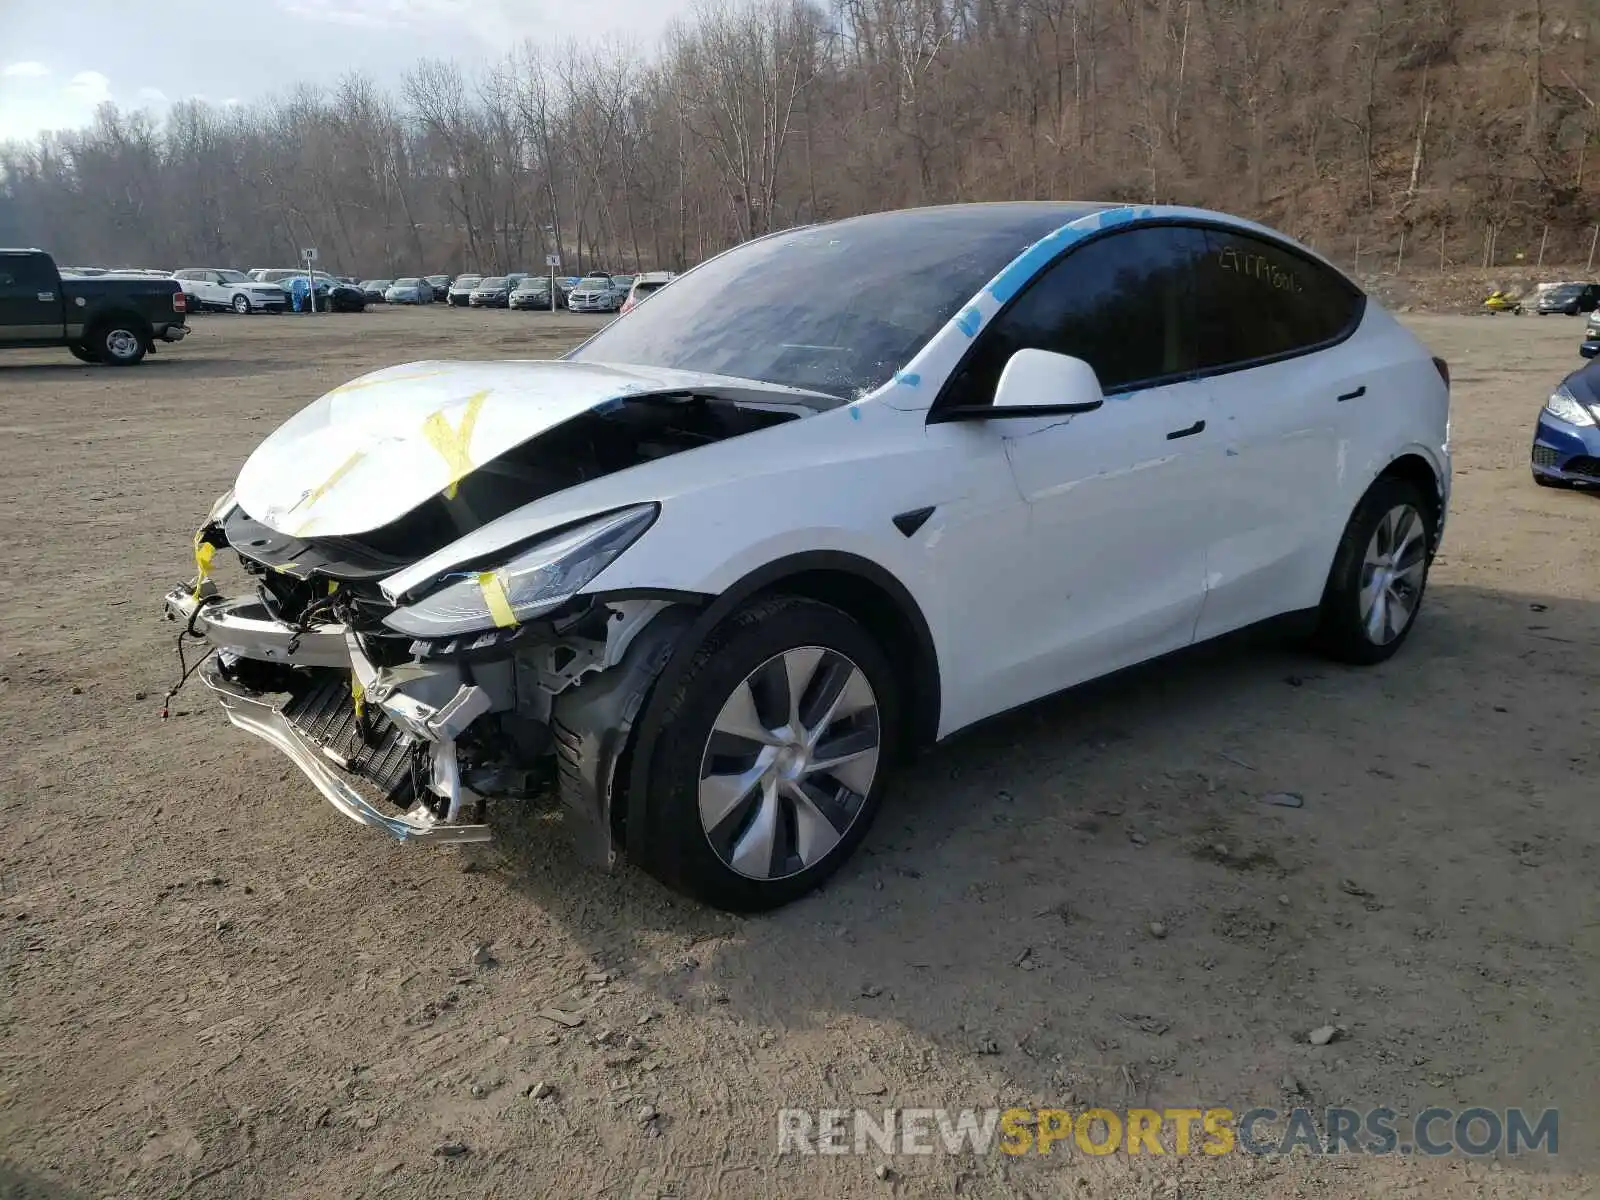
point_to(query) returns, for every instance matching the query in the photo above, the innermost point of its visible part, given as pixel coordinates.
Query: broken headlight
(534, 582)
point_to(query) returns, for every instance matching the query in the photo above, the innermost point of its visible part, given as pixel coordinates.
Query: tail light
(1443, 368)
(180, 301)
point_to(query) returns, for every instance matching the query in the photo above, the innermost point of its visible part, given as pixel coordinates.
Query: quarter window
(1259, 301)
(1124, 303)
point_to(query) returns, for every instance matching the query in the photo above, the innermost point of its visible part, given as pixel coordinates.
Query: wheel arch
(1418, 469)
(99, 319)
(858, 586)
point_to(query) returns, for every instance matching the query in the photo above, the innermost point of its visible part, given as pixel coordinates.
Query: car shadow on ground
(1173, 874)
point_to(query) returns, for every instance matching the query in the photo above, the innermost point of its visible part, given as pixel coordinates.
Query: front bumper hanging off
(338, 752)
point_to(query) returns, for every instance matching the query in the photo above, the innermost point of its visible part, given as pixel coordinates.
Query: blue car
(1566, 442)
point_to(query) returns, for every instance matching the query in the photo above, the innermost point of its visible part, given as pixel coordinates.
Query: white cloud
(26, 70)
(231, 102)
(89, 87)
(153, 95)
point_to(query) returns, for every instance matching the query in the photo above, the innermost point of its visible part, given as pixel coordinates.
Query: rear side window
(1123, 303)
(1259, 301)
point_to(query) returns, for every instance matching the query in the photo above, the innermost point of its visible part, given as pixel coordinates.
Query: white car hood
(370, 451)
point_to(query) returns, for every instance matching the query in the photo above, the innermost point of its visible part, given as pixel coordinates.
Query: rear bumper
(174, 333)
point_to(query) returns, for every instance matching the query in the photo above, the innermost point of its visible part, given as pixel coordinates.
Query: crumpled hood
(373, 449)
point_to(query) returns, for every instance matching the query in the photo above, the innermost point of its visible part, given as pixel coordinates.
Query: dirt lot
(214, 986)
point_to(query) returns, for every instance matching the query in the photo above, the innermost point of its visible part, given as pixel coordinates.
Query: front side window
(1124, 303)
(1258, 301)
(28, 273)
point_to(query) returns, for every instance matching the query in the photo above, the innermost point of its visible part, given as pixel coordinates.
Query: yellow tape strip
(494, 595)
(358, 384)
(203, 554)
(358, 694)
(321, 490)
(454, 442)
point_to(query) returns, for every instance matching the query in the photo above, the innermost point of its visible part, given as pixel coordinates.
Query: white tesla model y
(713, 573)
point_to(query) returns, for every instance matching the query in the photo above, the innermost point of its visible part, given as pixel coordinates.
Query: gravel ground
(214, 986)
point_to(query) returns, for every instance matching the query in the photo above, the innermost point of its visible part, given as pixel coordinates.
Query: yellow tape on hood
(454, 442)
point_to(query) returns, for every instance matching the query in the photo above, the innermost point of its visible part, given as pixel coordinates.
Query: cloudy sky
(60, 59)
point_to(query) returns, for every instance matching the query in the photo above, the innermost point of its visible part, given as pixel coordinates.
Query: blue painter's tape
(1032, 260)
(969, 322)
(855, 413)
(909, 378)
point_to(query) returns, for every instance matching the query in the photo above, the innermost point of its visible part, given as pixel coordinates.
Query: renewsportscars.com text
(1474, 1132)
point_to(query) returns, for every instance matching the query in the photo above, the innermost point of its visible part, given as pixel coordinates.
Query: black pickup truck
(113, 319)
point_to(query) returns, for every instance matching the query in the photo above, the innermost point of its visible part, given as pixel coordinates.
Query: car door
(1269, 320)
(30, 298)
(1111, 567)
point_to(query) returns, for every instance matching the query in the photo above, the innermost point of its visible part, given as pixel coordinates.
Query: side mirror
(1590, 350)
(1037, 383)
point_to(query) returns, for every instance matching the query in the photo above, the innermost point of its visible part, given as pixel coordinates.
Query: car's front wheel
(1379, 574)
(772, 755)
(241, 304)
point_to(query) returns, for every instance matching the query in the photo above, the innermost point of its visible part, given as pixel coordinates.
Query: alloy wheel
(1392, 572)
(789, 763)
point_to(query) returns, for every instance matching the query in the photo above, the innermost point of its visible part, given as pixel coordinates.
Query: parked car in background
(846, 491)
(1569, 299)
(411, 290)
(332, 296)
(375, 289)
(644, 285)
(99, 319)
(595, 293)
(493, 292)
(440, 285)
(217, 290)
(1566, 436)
(534, 292)
(459, 292)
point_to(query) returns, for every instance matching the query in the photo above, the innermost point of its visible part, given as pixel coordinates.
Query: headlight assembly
(221, 508)
(536, 581)
(1564, 406)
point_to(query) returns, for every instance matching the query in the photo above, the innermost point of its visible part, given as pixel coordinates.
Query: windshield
(644, 289)
(540, 284)
(494, 281)
(1564, 291)
(467, 280)
(438, 279)
(594, 281)
(832, 308)
(407, 282)
(376, 283)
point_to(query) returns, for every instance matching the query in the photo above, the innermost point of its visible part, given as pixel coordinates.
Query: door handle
(1355, 395)
(46, 296)
(1197, 427)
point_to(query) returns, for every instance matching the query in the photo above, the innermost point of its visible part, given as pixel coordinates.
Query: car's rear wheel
(1380, 571)
(772, 756)
(241, 304)
(120, 343)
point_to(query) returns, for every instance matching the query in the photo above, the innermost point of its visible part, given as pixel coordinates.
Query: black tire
(119, 342)
(241, 305)
(1341, 634)
(676, 849)
(82, 353)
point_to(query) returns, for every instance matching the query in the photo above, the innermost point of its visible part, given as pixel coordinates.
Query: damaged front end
(416, 735)
(443, 655)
